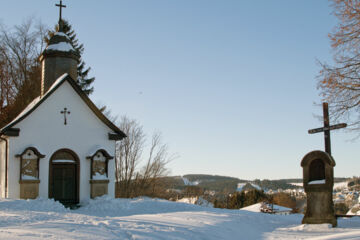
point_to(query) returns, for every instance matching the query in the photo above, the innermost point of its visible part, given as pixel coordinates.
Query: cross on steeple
(60, 9)
(65, 111)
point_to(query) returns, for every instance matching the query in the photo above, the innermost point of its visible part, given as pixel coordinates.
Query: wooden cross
(60, 8)
(65, 111)
(326, 129)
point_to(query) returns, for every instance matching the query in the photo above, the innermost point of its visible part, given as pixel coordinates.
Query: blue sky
(230, 84)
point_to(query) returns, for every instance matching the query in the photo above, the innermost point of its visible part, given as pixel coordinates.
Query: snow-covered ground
(196, 200)
(145, 218)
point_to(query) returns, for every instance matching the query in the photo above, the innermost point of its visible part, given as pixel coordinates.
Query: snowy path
(146, 218)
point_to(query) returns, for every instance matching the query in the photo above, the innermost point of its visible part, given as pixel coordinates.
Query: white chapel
(61, 145)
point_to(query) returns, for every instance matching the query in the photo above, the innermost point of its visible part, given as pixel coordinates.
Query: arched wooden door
(64, 172)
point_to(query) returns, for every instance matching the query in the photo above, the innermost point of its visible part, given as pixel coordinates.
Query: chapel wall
(2, 168)
(44, 129)
(13, 170)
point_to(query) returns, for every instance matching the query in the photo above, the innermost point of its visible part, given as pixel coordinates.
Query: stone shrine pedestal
(318, 181)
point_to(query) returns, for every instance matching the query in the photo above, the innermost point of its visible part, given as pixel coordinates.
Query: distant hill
(227, 184)
(214, 182)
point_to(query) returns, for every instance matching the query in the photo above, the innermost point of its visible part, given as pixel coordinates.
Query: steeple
(59, 57)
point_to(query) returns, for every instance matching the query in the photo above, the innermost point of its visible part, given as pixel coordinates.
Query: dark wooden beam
(115, 136)
(12, 132)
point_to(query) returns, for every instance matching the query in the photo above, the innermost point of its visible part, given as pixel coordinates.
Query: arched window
(99, 164)
(99, 172)
(29, 163)
(29, 172)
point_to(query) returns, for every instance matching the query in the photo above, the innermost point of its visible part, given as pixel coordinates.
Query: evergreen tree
(82, 72)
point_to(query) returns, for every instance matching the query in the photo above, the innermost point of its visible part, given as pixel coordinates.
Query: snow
(340, 185)
(355, 210)
(57, 82)
(61, 34)
(253, 208)
(98, 176)
(27, 177)
(63, 161)
(297, 184)
(94, 150)
(145, 218)
(61, 46)
(322, 181)
(257, 208)
(196, 200)
(188, 183)
(240, 186)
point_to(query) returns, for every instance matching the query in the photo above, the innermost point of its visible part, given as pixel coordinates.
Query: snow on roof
(240, 186)
(61, 46)
(253, 208)
(84, 97)
(62, 77)
(24, 112)
(35, 102)
(257, 208)
(61, 34)
(94, 149)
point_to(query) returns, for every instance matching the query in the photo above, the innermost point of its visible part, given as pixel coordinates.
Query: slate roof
(37, 102)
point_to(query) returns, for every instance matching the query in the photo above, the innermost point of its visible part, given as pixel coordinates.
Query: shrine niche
(318, 182)
(29, 173)
(316, 170)
(99, 172)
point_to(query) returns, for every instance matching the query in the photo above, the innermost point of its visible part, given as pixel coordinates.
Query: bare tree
(340, 84)
(133, 180)
(20, 48)
(155, 167)
(128, 154)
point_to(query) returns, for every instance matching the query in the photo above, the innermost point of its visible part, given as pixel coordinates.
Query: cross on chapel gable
(65, 111)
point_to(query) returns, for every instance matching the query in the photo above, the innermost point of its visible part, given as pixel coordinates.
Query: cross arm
(336, 126)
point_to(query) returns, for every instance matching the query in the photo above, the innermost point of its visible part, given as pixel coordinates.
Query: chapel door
(64, 180)
(64, 173)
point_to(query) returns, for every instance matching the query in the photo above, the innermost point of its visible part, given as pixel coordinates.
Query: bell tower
(59, 57)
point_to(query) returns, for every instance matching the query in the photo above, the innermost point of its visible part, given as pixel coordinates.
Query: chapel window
(29, 163)
(99, 165)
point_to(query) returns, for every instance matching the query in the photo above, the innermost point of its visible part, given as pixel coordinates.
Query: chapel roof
(60, 45)
(37, 102)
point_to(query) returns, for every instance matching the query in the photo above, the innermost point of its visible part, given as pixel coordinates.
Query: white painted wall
(44, 129)
(2, 167)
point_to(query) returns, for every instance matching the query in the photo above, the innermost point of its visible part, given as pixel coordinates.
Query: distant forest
(229, 184)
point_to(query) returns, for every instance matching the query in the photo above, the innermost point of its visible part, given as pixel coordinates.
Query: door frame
(77, 171)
